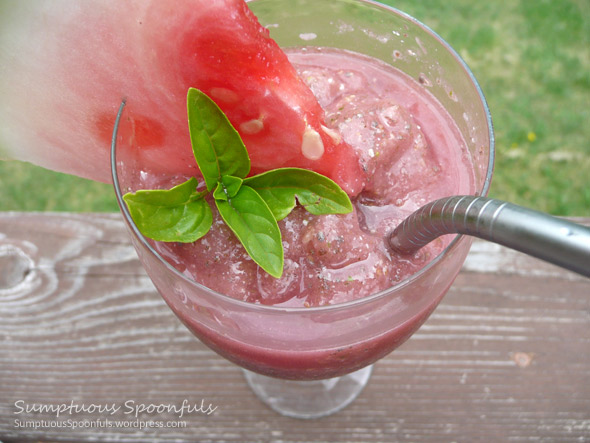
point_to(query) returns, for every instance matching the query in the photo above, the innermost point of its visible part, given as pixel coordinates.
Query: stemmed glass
(311, 362)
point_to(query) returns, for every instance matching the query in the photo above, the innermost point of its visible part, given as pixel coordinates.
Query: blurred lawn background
(532, 59)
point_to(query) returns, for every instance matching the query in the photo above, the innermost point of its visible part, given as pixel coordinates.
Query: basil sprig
(250, 206)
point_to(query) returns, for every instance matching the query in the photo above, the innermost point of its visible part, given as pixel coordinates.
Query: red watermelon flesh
(67, 65)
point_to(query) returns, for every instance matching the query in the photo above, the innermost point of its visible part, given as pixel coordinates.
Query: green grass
(29, 188)
(532, 59)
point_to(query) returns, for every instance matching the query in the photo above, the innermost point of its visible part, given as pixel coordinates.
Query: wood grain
(505, 357)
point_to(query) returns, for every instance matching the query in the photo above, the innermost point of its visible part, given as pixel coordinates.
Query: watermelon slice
(65, 66)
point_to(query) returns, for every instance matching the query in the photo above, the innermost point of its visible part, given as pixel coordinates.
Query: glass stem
(308, 399)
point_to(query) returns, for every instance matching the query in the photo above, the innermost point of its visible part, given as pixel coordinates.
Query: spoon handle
(549, 238)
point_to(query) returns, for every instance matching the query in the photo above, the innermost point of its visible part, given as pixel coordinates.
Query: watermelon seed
(312, 146)
(252, 126)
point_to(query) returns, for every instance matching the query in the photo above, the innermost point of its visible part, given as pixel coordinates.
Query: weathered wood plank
(505, 357)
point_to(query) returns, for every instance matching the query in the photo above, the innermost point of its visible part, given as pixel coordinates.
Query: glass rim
(339, 306)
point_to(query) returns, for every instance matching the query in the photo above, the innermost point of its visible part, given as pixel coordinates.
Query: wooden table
(505, 357)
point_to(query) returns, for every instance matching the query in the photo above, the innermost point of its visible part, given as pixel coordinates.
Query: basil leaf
(217, 146)
(315, 192)
(248, 216)
(180, 214)
(249, 206)
(227, 188)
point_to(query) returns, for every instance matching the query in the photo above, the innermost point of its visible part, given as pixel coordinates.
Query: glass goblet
(311, 362)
